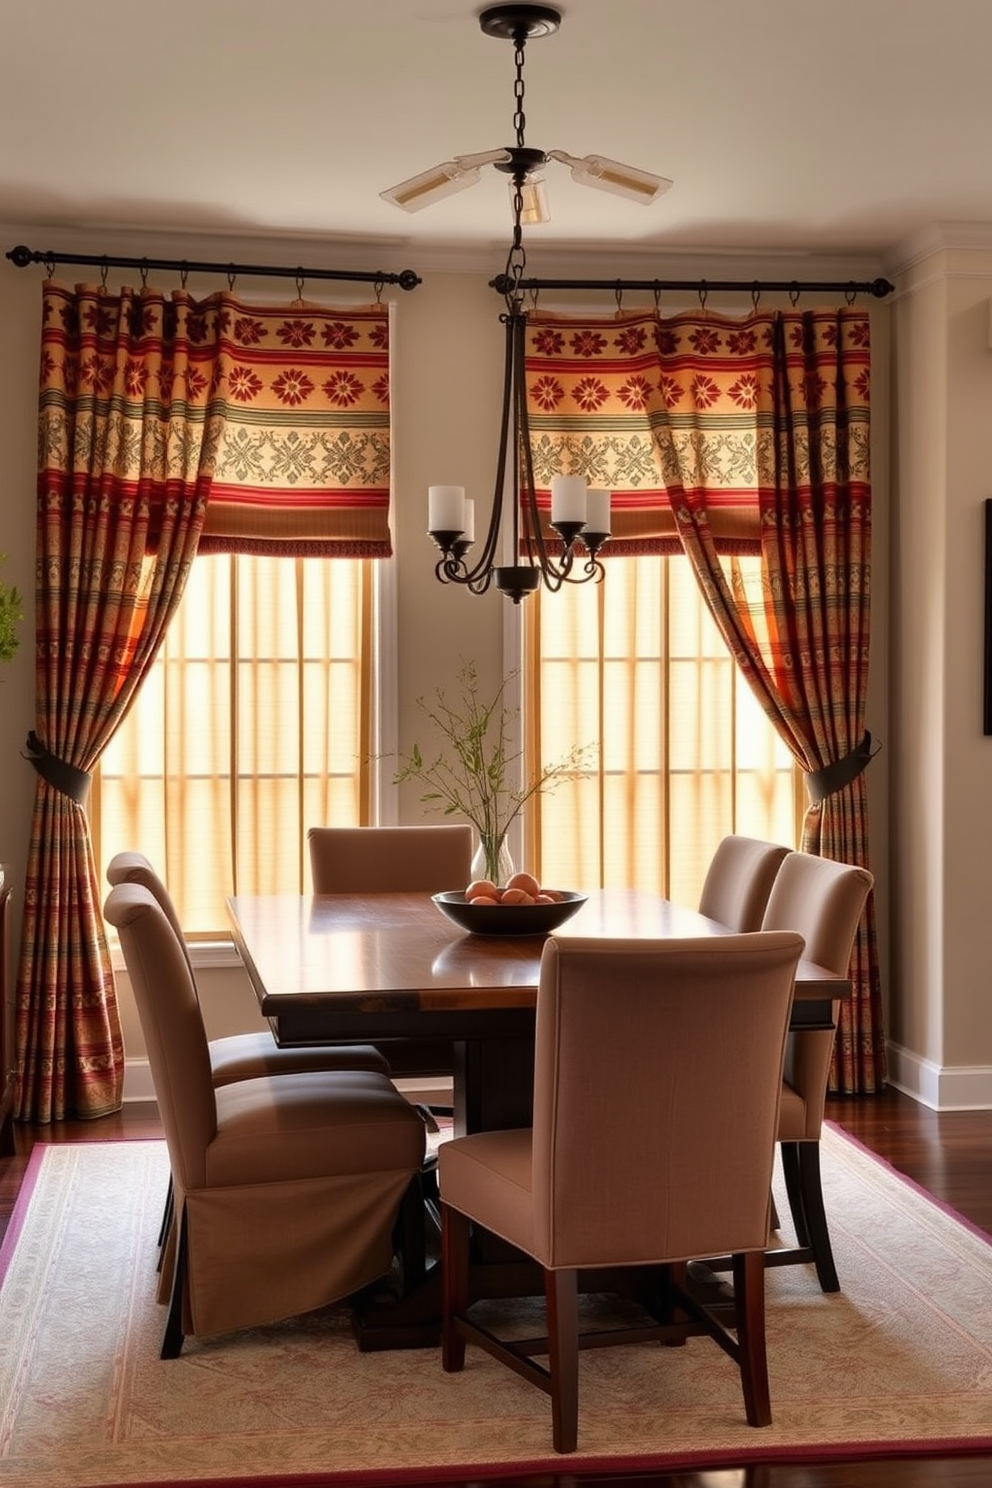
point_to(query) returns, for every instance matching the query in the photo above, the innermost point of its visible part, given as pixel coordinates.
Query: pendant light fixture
(580, 517)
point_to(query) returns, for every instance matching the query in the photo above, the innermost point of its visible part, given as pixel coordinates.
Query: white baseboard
(942, 1088)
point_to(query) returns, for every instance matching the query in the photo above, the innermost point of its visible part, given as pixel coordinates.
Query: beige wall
(941, 1022)
(447, 352)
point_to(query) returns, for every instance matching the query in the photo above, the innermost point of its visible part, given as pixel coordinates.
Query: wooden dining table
(371, 967)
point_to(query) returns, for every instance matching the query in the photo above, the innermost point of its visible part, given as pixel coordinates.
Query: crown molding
(939, 237)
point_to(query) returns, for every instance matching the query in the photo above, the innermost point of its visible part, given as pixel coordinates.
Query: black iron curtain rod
(504, 284)
(22, 257)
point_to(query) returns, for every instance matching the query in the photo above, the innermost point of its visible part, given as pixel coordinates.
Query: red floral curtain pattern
(122, 488)
(719, 436)
(150, 404)
(300, 429)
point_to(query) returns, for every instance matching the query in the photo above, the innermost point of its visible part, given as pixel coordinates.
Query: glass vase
(492, 861)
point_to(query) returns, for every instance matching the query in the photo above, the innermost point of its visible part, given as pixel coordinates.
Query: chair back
(823, 901)
(134, 867)
(658, 1071)
(739, 881)
(178, 1053)
(371, 860)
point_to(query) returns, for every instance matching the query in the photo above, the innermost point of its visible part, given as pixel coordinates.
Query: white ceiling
(788, 126)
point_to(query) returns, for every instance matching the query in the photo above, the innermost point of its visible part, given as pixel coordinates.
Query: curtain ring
(755, 294)
(794, 294)
(183, 274)
(657, 298)
(380, 285)
(534, 294)
(703, 293)
(144, 273)
(231, 276)
(850, 294)
(50, 265)
(300, 282)
(103, 274)
(618, 295)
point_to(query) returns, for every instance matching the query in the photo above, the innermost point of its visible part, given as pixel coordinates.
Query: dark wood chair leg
(410, 1237)
(794, 1190)
(816, 1216)
(455, 1286)
(166, 1222)
(749, 1299)
(172, 1343)
(561, 1297)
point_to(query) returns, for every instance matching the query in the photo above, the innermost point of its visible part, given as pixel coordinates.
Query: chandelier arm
(553, 574)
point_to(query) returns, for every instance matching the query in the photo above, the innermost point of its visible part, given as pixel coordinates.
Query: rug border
(694, 1459)
(18, 1214)
(911, 1183)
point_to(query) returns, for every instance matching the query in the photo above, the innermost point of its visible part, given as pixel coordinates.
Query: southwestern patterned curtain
(149, 407)
(720, 436)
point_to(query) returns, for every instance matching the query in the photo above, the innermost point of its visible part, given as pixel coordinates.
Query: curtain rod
(504, 284)
(22, 257)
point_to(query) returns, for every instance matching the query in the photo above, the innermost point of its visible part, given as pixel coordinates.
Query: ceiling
(838, 127)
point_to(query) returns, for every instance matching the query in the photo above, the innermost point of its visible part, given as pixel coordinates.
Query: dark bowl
(508, 919)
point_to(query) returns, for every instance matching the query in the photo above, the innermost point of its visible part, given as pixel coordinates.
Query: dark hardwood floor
(947, 1153)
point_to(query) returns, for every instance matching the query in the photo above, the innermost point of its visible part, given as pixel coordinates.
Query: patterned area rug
(900, 1360)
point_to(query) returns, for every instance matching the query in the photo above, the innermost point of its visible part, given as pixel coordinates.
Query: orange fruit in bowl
(481, 888)
(516, 894)
(525, 881)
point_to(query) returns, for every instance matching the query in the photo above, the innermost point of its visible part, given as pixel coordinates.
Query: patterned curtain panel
(299, 428)
(721, 436)
(122, 490)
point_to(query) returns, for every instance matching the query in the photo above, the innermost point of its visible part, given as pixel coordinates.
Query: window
(254, 724)
(637, 667)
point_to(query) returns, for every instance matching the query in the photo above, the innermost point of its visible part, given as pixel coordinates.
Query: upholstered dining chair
(244, 1056)
(739, 880)
(658, 1074)
(823, 901)
(288, 1191)
(381, 860)
(239, 1056)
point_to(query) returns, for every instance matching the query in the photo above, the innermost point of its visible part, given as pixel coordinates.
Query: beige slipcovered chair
(244, 1056)
(739, 881)
(382, 860)
(239, 1056)
(287, 1190)
(823, 901)
(658, 1073)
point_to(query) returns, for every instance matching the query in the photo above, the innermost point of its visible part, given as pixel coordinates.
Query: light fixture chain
(519, 117)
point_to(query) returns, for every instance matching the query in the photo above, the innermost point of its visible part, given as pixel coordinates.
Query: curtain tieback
(58, 772)
(832, 778)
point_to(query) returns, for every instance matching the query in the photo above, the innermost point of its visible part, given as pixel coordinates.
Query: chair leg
(794, 1190)
(749, 1298)
(561, 1297)
(166, 1222)
(816, 1216)
(172, 1342)
(410, 1236)
(455, 1286)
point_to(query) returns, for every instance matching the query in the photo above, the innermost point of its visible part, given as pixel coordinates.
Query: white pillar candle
(468, 521)
(445, 508)
(568, 498)
(598, 510)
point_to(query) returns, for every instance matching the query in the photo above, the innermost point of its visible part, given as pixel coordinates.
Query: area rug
(899, 1361)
